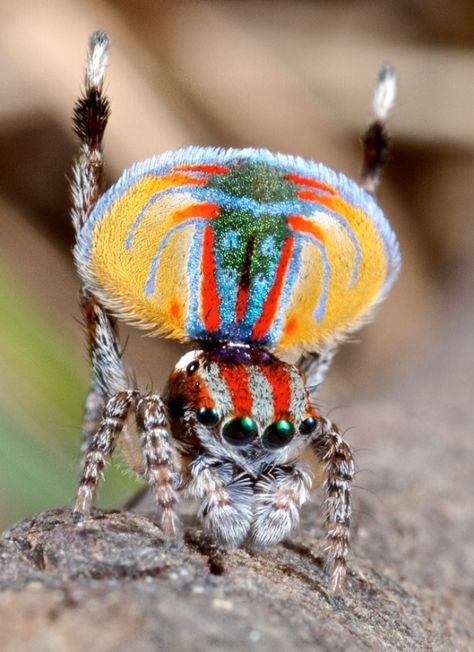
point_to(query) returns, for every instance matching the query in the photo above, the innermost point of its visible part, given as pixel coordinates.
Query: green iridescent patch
(234, 229)
(258, 181)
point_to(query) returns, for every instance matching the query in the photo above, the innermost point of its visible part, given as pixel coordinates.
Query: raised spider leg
(279, 494)
(376, 140)
(91, 113)
(226, 494)
(336, 455)
(159, 457)
(100, 448)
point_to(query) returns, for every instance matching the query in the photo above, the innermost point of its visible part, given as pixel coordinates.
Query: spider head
(240, 403)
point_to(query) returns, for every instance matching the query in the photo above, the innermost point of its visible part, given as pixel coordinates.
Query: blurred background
(288, 75)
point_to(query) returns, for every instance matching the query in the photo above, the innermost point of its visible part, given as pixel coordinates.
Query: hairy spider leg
(376, 151)
(91, 113)
(336, 455)
(112, 394)
(376, 140)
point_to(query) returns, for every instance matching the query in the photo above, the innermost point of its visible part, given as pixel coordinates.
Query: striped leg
(108, 370)
(100, 449)
(279, 495)
(93, 413)
(159, 456)
(109, 375)
(336, 455)
(91, 112)
(376, 141)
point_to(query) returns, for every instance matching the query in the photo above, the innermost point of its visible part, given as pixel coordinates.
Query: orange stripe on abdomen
(312, 183)
(299, 223)
(210, 299)
(204, 211)
(270, 304)
(210, 169)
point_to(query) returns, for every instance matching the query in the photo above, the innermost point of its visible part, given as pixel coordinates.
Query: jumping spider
(247, 254)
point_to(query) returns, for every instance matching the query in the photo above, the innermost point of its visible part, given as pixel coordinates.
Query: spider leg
(109, 375)
(338, 461)
(91, 112)
(315, 366)
(159, 458)
(279, 494)
(376, 140)
(93, 411)
(100, 448)
(226, 494)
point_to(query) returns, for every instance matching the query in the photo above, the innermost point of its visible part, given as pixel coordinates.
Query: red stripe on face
(237, 380)
(210, 299)
(303, 181)
(264, 322)
(280, 382)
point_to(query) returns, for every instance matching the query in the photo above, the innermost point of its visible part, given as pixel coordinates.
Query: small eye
(279, 434)
(308, 425)
(207, 416)
(240, 431)
(192, 367)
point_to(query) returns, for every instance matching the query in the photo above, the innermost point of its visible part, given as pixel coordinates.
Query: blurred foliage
(43, 385)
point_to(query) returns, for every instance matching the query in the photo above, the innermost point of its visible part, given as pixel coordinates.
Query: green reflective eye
(279, 434)
(240, 431)
(207, 416)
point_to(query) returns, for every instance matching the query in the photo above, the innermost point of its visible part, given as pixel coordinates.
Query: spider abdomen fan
(238, 245)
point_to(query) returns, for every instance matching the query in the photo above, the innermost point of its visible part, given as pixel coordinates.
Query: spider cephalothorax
(246, 414)
(249, 254)
(246, 402)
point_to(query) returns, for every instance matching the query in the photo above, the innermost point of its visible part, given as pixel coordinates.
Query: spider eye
(279, 434)
(207, 416)
(192, 367)
(240, 431)
(308, 425)
(176, 408)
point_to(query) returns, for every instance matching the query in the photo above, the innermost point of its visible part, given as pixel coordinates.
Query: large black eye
(176, 408)
(240, 431)
(279, 434)
(207, 416)
(308, 425)
(192, 367)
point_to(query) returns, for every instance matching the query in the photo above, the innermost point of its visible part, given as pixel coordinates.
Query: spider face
(241, 402)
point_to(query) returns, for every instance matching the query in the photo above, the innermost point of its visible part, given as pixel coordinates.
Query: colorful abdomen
(238, 245)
